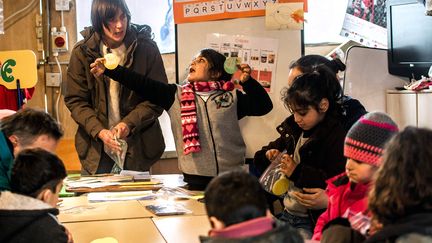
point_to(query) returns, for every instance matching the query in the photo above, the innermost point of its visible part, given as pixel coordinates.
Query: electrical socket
(38, 20)
(53, 79)
(39, 32)
(62, 5)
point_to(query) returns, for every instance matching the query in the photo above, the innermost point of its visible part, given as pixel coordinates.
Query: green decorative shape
(5, 70)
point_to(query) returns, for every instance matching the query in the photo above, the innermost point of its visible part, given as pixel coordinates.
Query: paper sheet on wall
(365, 23)
(284, 16)
(1, 18)
(259, 53)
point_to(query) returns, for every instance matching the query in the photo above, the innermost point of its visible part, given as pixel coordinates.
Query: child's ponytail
(308, 63)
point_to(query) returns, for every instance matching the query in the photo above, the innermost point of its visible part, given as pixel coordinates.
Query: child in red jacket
(348, 192)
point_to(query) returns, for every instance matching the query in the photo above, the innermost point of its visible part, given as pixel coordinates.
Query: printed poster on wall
(186, 11)
(365, 23)
(1, 18)
(259, 53)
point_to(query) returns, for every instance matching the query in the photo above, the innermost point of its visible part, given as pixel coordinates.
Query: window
(324, 21)
(158, 14)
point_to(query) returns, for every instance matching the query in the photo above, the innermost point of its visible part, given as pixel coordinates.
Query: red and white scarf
(188, 113)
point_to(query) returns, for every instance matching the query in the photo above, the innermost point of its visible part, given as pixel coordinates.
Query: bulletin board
(191, 37)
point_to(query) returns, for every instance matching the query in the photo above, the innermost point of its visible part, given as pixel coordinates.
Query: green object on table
(63, 192)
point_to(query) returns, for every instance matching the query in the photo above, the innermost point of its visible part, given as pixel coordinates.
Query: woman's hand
(122, 130)
(97, 67)
(287, 165)
(107, 138)
(271, 154)
(245, 72)
(313, 198)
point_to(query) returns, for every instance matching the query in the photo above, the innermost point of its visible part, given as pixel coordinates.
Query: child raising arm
(204, 113)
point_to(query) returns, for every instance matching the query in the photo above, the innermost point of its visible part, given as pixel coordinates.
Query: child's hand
(97, 67)
(287, 165)
(246, 71)
(271, 154)
(313, 198)
(375, 226)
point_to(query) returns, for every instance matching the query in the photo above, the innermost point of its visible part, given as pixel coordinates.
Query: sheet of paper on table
(120, 196)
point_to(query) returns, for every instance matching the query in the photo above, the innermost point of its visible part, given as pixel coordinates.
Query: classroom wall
(22, 35)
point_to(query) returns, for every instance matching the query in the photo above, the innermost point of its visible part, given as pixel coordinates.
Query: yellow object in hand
(280, 186)
(111, 61)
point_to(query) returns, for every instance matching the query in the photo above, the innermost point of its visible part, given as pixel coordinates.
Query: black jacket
(26, 219)
(321, 156)
(413, 228)
(352, 111)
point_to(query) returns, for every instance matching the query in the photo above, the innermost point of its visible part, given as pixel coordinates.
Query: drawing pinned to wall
(284, 16)
(167, 29)
(365, 22)
(259, 53)
(1, 18)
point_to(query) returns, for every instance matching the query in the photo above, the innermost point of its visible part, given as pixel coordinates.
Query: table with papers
(123, 215)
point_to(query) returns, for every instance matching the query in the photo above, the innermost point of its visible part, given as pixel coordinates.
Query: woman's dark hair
(235, 197)
(308, 63)
(35, 170)
(310, 88)
(104, 10)
(28, 124)
(403, 182)
(216, 63)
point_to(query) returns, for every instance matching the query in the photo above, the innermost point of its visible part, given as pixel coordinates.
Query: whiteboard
(191, 37)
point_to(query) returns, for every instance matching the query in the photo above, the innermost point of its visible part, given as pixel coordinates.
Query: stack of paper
(137, 175)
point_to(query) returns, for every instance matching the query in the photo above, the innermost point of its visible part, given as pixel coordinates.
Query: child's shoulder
(339, 180)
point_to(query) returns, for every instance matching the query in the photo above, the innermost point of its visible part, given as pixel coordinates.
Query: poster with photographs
(365, 22)
(259, 53)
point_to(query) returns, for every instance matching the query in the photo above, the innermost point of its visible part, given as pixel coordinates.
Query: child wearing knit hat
(364, 145)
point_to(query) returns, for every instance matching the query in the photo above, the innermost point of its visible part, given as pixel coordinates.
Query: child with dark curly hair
(401, 199)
